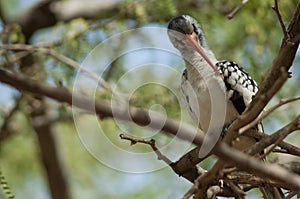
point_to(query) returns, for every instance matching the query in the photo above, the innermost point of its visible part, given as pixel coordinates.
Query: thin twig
(236, 9)
(282, 136)
(268, 140)
(283, 27)
(289, 148)
(267, 113)
(151, 143)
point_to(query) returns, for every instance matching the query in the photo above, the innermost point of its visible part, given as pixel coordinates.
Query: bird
(203, 68)
(204, 76)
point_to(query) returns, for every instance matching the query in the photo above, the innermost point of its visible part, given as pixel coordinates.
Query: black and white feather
(239, 85)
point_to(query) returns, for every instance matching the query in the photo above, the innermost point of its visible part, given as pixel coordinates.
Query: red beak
(192, 39)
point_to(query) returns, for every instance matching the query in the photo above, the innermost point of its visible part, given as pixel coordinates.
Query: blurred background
(126, 43)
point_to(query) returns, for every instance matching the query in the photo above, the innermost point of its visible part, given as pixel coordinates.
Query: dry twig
(236, 9)
(289, 148)
(268, 140)
(151, 143)
(283, 27)
(267, 113)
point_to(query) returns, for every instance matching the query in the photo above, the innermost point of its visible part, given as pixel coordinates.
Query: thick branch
(186, 165)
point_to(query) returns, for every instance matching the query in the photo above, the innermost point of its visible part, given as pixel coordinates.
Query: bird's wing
(240, 86)
(190, 97)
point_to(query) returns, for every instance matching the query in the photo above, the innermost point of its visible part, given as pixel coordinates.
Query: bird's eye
(195, 29)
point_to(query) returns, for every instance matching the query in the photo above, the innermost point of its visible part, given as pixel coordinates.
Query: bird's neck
(197, 66)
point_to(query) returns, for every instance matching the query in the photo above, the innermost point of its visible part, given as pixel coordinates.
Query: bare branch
(236, 9)
(244, 178)
(151, 143)
(283, 27)
(103, 107)
(289, 148)
(268, 140)
(275, 144)
(267, 113)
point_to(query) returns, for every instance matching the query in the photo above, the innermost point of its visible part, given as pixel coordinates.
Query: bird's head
(184, 25)
(186, 34)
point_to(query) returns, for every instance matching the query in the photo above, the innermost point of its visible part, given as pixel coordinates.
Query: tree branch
(226, 190)
(103, 107)
(266, 113)
(277, 11)
(151, 143)
(268, 140)
(186, 165)
(156, 121)
(289, 148)
(237, 9)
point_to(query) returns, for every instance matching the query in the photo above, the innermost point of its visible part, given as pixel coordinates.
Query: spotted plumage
(239, 85)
